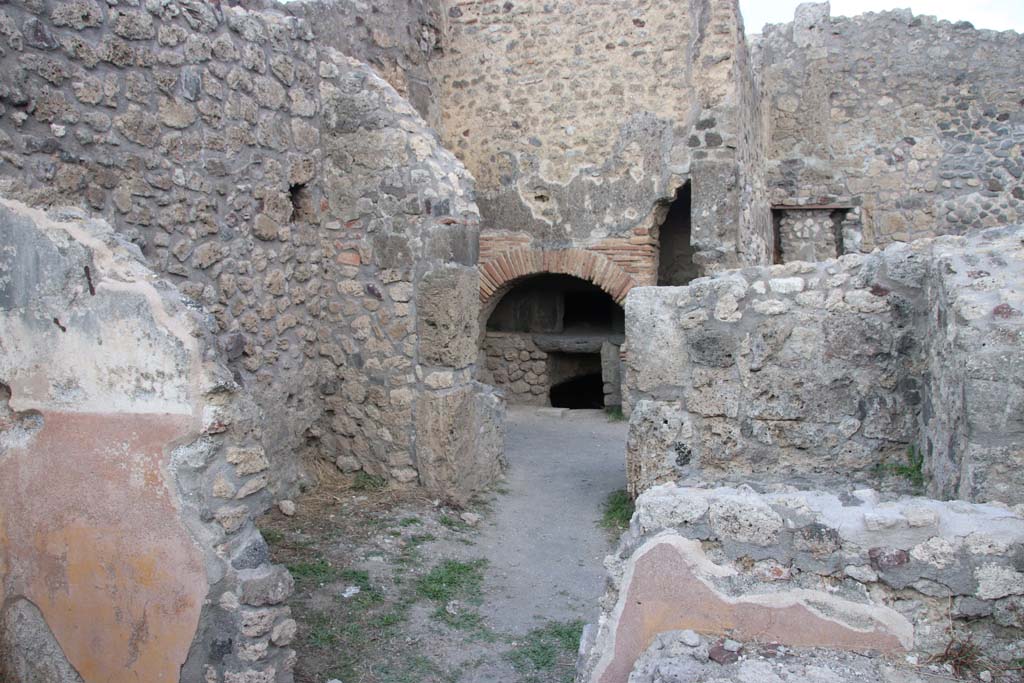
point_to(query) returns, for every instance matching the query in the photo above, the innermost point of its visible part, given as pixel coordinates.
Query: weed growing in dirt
(319, 571)
(618, 510)
(272, 536)
(368, 482)
(551, 648)
(410, 521)
(452, 580)
(452, 523)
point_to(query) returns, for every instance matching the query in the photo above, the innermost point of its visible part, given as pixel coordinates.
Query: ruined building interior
(245, 244)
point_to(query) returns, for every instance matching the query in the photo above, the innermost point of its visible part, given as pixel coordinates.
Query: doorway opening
(675, 255)
(553, 340)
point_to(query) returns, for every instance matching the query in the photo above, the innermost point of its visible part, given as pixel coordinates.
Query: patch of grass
(452, 523)
(410, 521)
(322, 631)
(416, 540)
(912, 470)
(387, 619)
(272, 536)
(549, 648)
(368, 482)
(618, 510)
(319, 571)
(357, 577)
(452, 579)
(614, 413)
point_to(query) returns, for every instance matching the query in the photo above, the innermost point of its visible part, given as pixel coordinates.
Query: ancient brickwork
(580, 123)
(915, 118)
(810, 368)
(287, 189)
(840, 569)
(136, 464)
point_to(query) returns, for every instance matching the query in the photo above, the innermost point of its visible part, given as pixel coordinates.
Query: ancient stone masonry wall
(287, 189)
(918, 121)
(580, 121)
(972, 416)
(512, 362)
(799, 368)
(130, 470)
(816, 368)
(843, 570)
(395, 37)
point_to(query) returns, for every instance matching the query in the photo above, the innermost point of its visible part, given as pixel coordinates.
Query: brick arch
(500, 273)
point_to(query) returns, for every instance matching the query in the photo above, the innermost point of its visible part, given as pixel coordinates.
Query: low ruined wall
(841, 570)
(817, 368)
(798, 368)
(131, 468)
(918, 121)
(287, 189)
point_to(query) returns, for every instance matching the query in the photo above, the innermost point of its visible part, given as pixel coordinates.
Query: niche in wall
(675, 254)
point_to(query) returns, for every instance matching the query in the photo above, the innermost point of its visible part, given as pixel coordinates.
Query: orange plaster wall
(93, 537)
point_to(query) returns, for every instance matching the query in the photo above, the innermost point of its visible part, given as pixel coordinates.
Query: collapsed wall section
(835, 370)
(581, 122)
(284, 187)
(130, 467)
(917, 121)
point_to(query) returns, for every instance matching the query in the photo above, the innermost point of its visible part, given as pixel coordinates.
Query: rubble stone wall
(283, 186)
(972, 410)
(131, 467)
(397, 38)
(918, 121)
(840, 569)
(514, 364)
(839, 366)
(580, 122)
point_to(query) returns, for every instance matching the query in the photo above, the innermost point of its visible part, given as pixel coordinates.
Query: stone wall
(580, 122)
(514, 364)
(840, 569)
(972, 414)
(131, 468)
(397, 38)
(916, 120)
(284, 187)
(808, 369)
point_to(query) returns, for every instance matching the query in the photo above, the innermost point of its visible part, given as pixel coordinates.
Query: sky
(994, 14)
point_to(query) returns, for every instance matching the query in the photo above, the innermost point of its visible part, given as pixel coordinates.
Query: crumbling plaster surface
(841, 569)
(119, 425)
(283, 186)
(581, 121)
(918, 120)
(837, 366)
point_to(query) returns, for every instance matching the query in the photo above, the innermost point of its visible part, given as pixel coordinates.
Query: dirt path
(543, 541)
(396, 588)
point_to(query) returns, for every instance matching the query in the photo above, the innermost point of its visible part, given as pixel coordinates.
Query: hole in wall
(576, 380)
(302, 202)
(777, 256)
(585, 392)
(675, 254)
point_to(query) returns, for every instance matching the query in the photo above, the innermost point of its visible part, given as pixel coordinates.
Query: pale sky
(994, 14)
